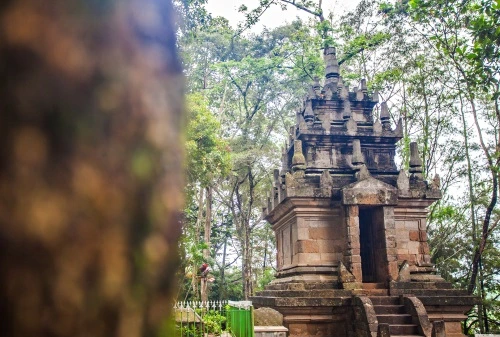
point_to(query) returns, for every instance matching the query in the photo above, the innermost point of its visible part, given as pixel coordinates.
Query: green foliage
(267, 277)
(190, 330)
(363, 42)
(214, 322)
(208, 156)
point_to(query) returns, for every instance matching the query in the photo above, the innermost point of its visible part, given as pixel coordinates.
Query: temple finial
(364, 87)
(309, 113)
(346, 113)
(316, 85)
(385, 118)
(332, 65)
(415, 160)
(357, 156)
(298, 159)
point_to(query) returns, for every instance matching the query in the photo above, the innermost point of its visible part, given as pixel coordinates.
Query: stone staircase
(391, 311)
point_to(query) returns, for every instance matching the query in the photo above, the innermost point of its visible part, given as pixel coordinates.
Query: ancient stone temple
(353, 258)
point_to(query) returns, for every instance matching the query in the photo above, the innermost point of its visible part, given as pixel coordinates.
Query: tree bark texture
(90, 167)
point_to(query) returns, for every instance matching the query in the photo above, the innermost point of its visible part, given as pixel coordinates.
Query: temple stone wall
(352, 257)
(411, 235)
(311, 240)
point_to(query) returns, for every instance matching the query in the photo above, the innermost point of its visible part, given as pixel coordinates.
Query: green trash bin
(240, 318)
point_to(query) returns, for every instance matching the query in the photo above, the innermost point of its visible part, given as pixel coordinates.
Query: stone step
(421, 285)
(377, 292)
(383, 300)
(403, 329)
(374, 286)
(389, 309)
(301, 286)
(371, 292)
(394, 318)
(322, 293)
(434, 292)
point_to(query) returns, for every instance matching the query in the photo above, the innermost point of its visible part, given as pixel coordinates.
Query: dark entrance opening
(372, 244)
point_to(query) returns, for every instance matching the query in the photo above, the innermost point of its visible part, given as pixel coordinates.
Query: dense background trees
(435, 63)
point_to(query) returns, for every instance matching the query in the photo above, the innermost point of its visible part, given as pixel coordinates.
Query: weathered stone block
(438, 329)
(402, 257)
(297, 329)
(402, 235)
(356, 259)
(400, 224)
(302, 223)
(369, 191)
(422, 235)
(307, 246)
(308, 257)
(424, 248)
(353, 231)
(422, 224)
(270, 331)
(403, 251)
(330, 257)
(356, 270)
(352, 285)
(303, 233)
(352, 222)
(389, 225)
(322, 233)
(331, 246)
(414, 235)
(354, 244)
(453, 327)
(412, 224)
(391, 244)
(413, 247)
(391, 251)
(352, 211)
(383, 330)
(393, 270)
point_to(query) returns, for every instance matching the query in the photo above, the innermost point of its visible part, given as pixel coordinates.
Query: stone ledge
(446, 317)
(270, 331)
(310, 293)
(274, 302)
(270, 328)
(301, 285)
(466, 300)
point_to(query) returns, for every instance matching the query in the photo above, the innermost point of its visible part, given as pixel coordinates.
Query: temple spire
(415, 160)
(332, 65)
(385, 118)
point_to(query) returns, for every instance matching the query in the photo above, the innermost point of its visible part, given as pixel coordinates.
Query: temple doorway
(372, 245)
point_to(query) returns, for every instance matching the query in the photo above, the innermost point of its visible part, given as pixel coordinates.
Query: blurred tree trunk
(206, 251)
(90, 167)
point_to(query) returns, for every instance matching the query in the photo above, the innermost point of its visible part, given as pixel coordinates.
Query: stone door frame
(352, 255)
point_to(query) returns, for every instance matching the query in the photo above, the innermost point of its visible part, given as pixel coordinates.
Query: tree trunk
(247, 266)
(195, 264)
(485, 230)
(223, 291)
(206, 251)
(91, 183)
(208, 223)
